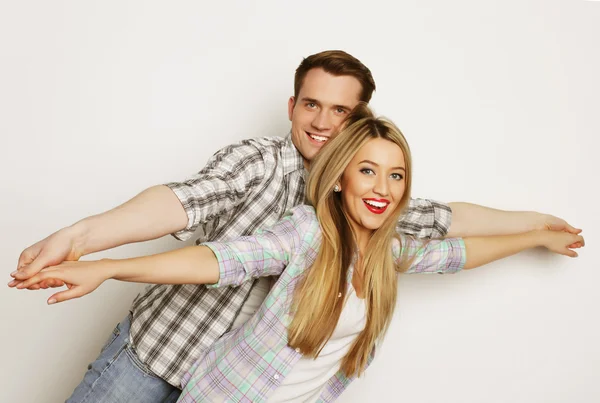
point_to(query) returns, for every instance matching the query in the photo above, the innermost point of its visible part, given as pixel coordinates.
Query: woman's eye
(367, 171)
(397, 177)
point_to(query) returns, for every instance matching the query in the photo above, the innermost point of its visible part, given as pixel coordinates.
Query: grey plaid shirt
(243, 187)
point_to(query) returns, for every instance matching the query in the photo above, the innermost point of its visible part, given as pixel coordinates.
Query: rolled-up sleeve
(433, 256)
(220, 186)
(425, 219)
(266, 253)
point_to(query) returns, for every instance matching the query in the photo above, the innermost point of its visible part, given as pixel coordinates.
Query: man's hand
(81, 278)
(51, 251)
(550, 222)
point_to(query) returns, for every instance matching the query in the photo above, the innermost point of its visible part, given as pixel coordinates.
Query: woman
(337, 263)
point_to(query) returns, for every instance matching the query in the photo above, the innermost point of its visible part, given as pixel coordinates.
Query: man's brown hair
(337, 63)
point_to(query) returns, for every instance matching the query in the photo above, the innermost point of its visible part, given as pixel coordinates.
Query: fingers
(27, 271)
(51, 276)
(74, 292)
(51, 283)
(580, 240)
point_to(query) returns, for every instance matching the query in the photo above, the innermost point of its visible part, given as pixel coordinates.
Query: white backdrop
(498, 99)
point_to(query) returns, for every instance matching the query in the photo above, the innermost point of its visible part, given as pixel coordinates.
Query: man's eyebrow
(314, 101)
(376, 164)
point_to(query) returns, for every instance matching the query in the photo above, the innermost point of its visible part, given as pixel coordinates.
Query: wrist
(111, 268)
(79, 234)
(536, 237)
(538, 221)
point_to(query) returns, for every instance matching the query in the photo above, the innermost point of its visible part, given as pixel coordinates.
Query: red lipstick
(377, 206)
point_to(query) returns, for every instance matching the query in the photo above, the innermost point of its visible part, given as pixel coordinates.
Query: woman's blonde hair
(317, 305)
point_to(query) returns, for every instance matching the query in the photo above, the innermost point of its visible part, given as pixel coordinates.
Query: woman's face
(372, 185)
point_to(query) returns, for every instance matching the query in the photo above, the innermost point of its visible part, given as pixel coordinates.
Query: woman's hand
(561, 242)
(81, 278)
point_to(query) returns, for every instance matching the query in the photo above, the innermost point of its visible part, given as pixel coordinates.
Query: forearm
(474, 220)
(153, 213)
(188, 265)
(483, 250)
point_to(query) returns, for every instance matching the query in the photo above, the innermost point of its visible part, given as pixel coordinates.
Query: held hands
(53, 250)
(560, 242)
(81, 278)
(552, 223)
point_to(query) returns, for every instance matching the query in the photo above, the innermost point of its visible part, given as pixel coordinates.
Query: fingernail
(14, 272)
(51, 301)
(20, 285)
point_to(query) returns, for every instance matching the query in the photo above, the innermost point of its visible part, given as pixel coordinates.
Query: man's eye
(311, 105)
(341, 110)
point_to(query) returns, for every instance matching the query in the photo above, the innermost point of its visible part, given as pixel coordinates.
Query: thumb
(34, 267)
(570, 253)
(571, 229)
(71, 293)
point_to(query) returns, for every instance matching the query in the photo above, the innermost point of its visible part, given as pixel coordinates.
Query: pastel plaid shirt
(248, 363)
(243, 187)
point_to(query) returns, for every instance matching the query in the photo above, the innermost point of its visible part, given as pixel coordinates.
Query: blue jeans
(118, 376)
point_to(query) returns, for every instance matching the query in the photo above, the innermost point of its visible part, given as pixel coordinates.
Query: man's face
(323, 103)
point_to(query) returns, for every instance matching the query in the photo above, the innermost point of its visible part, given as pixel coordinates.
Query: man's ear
(291, 104)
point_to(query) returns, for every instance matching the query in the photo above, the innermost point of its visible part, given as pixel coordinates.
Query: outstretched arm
(474, 220)
(188, 265)
(151, 214)
(265, 253)
(483, 250)
(449, 255)
(176, 208)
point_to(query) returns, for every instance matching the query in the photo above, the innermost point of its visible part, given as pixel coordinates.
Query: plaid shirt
(247, 364)
(243, 187)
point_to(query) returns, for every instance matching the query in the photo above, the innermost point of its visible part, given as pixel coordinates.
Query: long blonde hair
(317, 305)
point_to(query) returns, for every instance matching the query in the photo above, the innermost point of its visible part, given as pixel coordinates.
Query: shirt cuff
(229, 267)
(458, 258)
(183, 194)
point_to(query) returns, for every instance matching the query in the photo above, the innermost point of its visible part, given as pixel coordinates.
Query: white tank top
(307, 378)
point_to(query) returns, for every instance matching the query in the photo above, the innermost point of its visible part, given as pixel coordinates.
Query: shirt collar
(292, 159)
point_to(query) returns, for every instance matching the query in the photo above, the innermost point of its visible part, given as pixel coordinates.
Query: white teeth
(375, 203)
(321, 139)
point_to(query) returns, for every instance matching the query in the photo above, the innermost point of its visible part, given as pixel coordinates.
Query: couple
(248, 186)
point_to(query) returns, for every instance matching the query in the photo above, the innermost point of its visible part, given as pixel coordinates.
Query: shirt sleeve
(425, 219)
(433, 256)
(265, 253)
(224, 183)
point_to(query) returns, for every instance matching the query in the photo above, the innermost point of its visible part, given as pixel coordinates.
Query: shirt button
(297, 349)
(340, 295)
(276, 376)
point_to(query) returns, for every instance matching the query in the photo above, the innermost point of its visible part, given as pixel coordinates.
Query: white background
(499, 100)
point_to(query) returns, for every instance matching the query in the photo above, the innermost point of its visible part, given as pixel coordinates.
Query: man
(243, 187)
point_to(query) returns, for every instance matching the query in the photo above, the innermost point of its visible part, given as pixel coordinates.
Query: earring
(336, 188)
